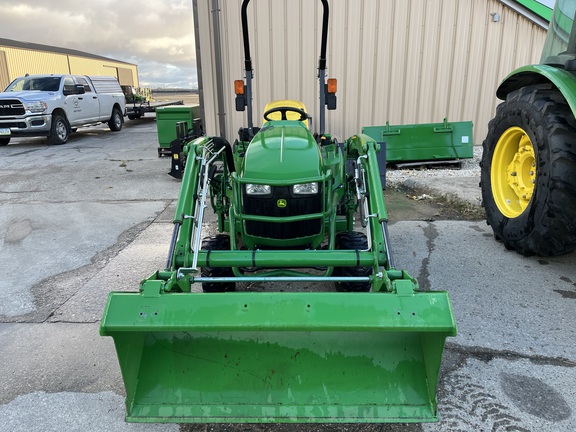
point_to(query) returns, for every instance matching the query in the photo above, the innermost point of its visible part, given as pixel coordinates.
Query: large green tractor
(358, 341)
(529, 161)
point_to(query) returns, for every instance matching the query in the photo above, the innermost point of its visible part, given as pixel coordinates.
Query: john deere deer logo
(281, 203)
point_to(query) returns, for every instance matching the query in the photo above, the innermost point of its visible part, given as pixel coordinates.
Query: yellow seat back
(289, 115)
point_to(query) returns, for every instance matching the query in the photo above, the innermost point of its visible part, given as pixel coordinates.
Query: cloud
(156, 35)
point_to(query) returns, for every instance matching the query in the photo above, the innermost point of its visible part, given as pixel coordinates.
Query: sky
(156, 35)
(549, 3)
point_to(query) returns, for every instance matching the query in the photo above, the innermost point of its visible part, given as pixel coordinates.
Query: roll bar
(321, 63)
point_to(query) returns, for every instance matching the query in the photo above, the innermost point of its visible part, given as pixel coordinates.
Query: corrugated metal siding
(4, 76)
(22, 61)
(87, 66)
(402, 61)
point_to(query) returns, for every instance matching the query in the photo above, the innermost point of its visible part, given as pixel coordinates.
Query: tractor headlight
(258, 189)
(305, 189)
(36, 107)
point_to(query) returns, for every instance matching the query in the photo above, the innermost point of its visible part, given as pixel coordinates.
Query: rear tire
(4, 141)
(116, 120)
(59, 131)
(528, 173)
(355, 241)
(217, 242)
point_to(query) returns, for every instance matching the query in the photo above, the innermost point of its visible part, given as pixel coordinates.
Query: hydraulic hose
(218, 144)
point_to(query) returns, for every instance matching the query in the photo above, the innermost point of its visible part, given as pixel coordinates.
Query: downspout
(218, 65)
(199, 63)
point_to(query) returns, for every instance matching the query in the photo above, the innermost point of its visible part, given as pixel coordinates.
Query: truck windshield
(48, 84)
(560, 45)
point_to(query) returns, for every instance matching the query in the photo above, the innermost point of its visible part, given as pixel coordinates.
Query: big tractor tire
(528, 173)
(355, 241)
(217, 242)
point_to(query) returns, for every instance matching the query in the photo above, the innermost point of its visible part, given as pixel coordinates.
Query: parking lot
(94, 215)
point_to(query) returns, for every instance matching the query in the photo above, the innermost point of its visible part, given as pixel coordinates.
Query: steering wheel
(283, 110)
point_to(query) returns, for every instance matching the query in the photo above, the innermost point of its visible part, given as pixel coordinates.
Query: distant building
(21, 58)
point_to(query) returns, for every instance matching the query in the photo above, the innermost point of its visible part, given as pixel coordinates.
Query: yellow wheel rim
(513, 172)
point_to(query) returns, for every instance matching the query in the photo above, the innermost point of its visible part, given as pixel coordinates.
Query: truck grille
(11, 107)
(295, 206)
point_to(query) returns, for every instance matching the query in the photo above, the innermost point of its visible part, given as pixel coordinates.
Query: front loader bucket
(279, 357)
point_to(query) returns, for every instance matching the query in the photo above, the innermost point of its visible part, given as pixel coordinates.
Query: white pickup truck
(56, 105)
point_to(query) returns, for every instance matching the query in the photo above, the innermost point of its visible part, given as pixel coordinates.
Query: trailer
(139, 102)
(137, 110)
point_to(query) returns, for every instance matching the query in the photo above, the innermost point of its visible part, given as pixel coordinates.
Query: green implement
(437, 142)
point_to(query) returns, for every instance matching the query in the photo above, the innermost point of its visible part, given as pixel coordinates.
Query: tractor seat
(289, 115)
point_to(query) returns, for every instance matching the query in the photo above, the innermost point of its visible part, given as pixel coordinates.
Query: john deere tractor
(293, 208)
(529, 160)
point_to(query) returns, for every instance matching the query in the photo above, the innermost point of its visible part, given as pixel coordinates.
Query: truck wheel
(116, 120)
(217, 242)
(355, 241)
(528, 173)
(4, 141)
(59, 131)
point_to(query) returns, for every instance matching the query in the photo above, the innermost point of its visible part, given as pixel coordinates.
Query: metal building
(402, 61)
(21, 58)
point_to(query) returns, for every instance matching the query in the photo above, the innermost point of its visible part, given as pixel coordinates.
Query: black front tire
(528, 173)
(355, 241)
(116, 120)
(217, 242)
(59, 131)
(4, 141)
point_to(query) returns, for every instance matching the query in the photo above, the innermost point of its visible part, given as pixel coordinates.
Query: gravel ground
(469, 168)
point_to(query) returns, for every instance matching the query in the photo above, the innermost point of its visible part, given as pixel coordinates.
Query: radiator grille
(295, 206)
(11, 107)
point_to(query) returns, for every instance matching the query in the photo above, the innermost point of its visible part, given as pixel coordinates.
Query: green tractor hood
(282, 151)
